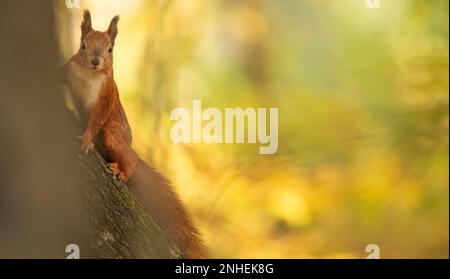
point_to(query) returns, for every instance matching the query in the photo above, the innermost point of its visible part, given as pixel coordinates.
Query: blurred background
(363, 118)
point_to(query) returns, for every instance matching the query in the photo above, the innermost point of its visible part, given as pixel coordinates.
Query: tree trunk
(119, 226)
(51, 195)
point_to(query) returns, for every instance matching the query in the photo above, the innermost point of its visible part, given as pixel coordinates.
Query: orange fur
(89, 76)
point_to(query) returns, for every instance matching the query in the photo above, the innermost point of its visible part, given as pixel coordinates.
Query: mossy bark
(118, 225)
(51, 195)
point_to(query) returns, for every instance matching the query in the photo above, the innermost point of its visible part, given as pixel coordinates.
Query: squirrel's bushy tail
(156, 195)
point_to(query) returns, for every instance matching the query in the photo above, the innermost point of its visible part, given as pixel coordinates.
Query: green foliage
(363, 102)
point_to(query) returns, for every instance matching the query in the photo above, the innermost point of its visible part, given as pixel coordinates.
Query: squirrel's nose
(95, 61)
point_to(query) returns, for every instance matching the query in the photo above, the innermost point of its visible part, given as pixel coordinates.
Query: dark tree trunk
(50, 195)
(119, 226)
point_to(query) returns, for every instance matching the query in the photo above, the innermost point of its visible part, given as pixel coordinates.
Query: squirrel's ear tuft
(112, 29)
(86, 25)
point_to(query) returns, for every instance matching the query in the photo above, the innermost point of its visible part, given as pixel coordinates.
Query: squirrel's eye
(110, 50)
(83, 45)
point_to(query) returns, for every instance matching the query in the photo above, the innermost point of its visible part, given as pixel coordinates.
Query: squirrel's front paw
(87, 144)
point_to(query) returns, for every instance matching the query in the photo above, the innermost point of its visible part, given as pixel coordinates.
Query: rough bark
(51, 195)
(119, 227)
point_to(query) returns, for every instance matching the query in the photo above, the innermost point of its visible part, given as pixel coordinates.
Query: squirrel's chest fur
(85, 85)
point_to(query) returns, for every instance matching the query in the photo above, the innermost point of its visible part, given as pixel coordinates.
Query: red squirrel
(89, 77)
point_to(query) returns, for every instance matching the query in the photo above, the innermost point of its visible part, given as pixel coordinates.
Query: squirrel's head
(96, 48)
